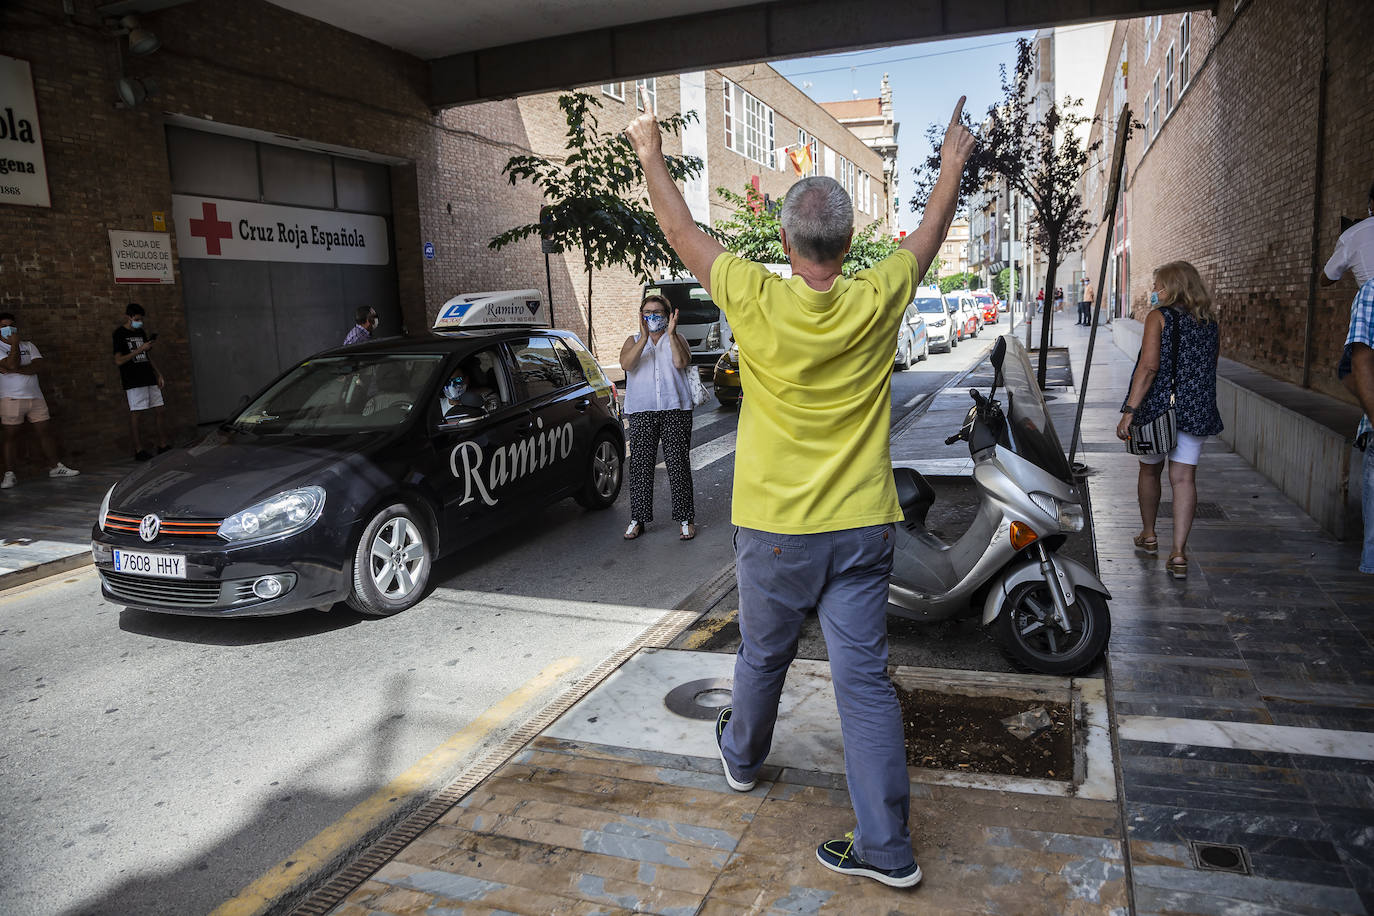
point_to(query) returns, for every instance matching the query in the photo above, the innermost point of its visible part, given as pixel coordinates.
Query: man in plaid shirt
(1359, 347)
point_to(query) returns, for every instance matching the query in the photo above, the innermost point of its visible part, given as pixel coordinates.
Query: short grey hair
(818, 218)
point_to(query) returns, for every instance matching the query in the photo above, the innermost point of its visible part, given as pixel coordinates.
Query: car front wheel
(390, 563)
(604, 472)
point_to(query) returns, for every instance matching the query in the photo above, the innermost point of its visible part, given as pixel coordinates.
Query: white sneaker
(8, 481)
(62, 471)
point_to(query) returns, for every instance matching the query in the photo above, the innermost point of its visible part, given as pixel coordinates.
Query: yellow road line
(330, 842)
(26, 589)
(698, 637)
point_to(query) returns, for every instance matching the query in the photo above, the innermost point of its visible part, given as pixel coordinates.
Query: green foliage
(752, 232)
(868, 248)
(593, 198)
(957, 281)
(1004, 284)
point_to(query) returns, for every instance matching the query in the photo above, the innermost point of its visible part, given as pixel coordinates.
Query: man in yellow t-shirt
(814, 498)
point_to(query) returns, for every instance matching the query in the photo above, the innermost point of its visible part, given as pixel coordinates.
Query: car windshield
(342, 394)
(953, 302)
(984, 300)
(930, 304)
(693, 303)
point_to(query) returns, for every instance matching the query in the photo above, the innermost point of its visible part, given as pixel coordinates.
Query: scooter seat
(915, 494)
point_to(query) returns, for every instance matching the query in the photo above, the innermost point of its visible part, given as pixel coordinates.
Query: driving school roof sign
(500, 307)
(237, 230)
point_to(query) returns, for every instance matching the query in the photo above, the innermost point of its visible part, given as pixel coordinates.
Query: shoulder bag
(1160, 435)
(699, 393)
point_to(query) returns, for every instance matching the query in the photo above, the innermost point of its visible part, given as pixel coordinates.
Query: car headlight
(713, 336)
(105, 508)
(938, 323)
(286, 513)
(1069, 514)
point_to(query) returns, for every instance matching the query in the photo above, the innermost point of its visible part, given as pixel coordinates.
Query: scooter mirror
(999, 352)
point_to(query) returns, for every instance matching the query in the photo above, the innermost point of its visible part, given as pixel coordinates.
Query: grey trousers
(843, 576)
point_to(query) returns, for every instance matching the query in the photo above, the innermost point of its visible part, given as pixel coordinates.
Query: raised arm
(939, 212)
(697, 250)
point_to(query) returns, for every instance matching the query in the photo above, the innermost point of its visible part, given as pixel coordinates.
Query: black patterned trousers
(674, 429)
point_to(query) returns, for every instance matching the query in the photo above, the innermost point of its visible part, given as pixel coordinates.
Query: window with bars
(1185, 40)
(729, 114)
(647, 89)
(749, 126)
(1169, 97)
(614, 90)
(1154, 110)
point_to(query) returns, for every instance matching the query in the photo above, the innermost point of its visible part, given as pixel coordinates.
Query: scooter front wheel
(1026, 631)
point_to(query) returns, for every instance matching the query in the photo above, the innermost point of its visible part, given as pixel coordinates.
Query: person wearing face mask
(141, 379)
(658, 401)
(366, 326)
(1183, 338)
(21, 400)
(460, 383)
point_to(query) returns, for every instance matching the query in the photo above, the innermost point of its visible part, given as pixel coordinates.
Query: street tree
(1004, 284)
(594, 201)
(752, 232)
(1040, 156)
(958, 281)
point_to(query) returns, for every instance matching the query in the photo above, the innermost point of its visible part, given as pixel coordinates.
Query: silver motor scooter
(1047, 613)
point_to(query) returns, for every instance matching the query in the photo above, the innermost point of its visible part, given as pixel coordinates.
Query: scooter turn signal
(1022, 535)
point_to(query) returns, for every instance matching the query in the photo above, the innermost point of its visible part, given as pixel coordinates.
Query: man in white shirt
(22, 400)
(1354, 251)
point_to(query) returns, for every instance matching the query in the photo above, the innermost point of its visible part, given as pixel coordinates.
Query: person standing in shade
(814, 498)
(1182, 335)
(1085, 303)
(366, 326)
(21, 400)
(141, 379)
(658, 403)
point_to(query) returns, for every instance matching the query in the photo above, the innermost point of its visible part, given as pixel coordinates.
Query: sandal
(635, 530)
(1150, 545)
(689, 531)
(1177, 566)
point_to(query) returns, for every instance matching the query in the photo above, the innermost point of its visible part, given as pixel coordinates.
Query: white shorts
(145, 397)
(1188, 450)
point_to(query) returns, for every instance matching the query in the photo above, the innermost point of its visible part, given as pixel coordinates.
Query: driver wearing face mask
(460, 383)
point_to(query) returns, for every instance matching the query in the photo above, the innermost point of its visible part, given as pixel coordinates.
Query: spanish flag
(801, 159)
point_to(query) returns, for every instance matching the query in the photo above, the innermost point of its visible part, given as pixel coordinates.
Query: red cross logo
(211, 228)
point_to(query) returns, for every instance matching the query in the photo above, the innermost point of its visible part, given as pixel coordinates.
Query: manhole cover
(701, 699)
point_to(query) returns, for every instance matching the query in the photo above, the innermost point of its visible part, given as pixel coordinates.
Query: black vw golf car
(351, 473)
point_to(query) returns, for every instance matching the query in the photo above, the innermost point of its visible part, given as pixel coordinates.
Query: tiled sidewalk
(1243, 696)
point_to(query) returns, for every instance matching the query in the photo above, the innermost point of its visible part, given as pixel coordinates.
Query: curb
(30, 574)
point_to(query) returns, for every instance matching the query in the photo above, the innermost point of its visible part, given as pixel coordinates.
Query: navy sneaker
(738, 785)
(839, 855)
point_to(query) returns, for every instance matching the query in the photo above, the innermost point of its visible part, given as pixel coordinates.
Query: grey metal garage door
(248, 320)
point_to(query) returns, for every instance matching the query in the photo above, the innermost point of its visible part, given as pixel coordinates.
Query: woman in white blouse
(658, 401)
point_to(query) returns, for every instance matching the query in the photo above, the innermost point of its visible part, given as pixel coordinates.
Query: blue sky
(927, 79)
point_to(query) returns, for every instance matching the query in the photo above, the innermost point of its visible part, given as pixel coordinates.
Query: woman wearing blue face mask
(658, 402)
(1177, 365)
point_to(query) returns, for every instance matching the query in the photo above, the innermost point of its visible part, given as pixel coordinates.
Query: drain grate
(1204, 510)
(1220, 857)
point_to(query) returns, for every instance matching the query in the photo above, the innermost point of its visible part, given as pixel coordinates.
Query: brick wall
(1247, 167)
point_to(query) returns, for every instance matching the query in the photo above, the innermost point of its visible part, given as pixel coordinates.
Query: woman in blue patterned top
(1184, 313)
